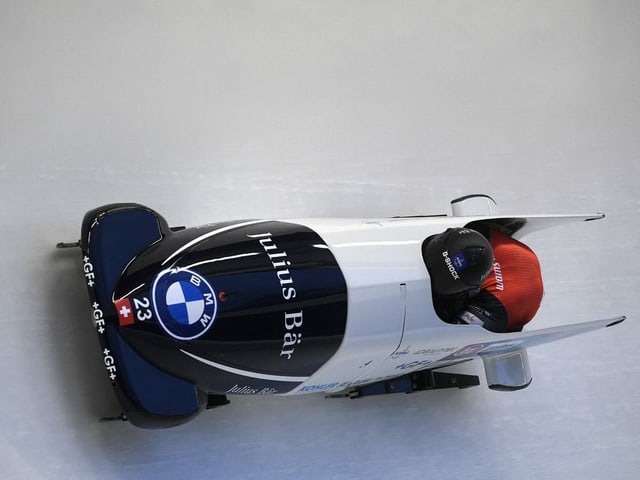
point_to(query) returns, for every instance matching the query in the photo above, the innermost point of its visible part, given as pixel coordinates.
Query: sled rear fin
(538, 337)
(519, 226)
(505, 359)
(502, 343)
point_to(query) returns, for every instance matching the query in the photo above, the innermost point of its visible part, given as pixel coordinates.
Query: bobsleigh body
(188, 316)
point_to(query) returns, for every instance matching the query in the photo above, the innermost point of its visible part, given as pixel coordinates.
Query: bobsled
(187, 317)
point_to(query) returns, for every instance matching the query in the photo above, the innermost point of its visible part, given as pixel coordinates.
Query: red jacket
(511, 295)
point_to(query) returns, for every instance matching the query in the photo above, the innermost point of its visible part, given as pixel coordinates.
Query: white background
(219, 110)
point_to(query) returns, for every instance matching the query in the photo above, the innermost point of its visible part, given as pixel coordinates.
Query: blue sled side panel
(111, 237)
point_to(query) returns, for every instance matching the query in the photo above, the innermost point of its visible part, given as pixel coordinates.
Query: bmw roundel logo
(184, 302)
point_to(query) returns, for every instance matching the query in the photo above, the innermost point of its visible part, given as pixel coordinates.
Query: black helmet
(458, 260)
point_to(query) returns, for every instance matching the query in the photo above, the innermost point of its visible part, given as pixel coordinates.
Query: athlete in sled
(188, 316)
(488, 279)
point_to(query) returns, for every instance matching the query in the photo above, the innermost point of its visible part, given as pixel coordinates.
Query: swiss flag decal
(125, 312)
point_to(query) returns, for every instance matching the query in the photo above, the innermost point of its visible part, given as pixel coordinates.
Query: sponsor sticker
(469, 350)
(184, 302)
(459, 262)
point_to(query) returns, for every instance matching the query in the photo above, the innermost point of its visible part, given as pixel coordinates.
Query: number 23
(143, 312)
